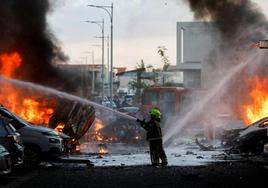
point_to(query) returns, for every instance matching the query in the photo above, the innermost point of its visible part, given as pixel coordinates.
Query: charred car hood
(42, 129)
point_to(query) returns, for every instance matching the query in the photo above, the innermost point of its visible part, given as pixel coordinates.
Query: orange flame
(32, 111)
(9, 64)
(97, 128)
(59, 127)
(19, 101)
(257, 107)
(102, 150)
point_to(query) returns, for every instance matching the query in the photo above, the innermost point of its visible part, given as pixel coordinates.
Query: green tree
(162, 51)
(138, 84)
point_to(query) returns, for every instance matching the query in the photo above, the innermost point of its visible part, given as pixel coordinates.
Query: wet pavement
(130, 167)
(213, 175)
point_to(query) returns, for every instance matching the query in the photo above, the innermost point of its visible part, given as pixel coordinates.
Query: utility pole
(93, 74)
(101, 25)
(111, 20)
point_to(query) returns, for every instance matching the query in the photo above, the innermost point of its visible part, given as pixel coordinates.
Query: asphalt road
(238, 174)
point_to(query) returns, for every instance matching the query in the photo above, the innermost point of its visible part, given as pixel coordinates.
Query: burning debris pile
(115, 131)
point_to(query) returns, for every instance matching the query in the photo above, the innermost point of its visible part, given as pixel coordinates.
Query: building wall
(82, 76)
(192, 78)
(200, 39)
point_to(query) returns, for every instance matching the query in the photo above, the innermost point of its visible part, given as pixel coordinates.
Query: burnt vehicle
(73, 119)
(5, 161)
(248, 140)
(11, 140)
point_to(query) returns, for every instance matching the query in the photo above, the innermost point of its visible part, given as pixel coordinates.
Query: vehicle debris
(252, 139)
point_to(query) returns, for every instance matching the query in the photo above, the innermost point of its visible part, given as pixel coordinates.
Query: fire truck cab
(167, 99)
(170, 100)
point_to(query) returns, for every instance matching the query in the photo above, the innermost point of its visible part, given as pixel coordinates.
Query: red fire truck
(170, 100)
(167, 99)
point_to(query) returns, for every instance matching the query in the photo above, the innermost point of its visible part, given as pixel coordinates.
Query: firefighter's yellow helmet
(155, 112)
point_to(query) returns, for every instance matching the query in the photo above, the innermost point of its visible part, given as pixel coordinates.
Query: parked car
(5, 161)
(109, 104)
(131, 110)
(99, 99)
(129, 98)
(40, 143)
(105, 101)
(11, 140)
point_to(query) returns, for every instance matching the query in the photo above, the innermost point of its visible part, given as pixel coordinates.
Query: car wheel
(31, 156)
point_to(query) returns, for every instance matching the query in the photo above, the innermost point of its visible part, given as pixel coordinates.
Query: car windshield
(10, 128)
(133, 110)
(3, 130)
(16, 121)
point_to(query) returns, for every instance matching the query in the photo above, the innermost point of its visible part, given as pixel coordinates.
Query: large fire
(97, 130)
(9, 63)
(31, 107)
(257, 107)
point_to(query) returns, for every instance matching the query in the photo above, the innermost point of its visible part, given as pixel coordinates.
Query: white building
(195, 42)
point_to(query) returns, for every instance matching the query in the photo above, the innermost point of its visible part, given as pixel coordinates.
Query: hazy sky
(140, 26)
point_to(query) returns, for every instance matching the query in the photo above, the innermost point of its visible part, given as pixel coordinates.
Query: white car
(5, 161)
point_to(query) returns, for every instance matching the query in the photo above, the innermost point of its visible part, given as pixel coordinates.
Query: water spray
(61, 94)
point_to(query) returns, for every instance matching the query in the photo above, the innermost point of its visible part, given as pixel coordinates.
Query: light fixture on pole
(111, 20)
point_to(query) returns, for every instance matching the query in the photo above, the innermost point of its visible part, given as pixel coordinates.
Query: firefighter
(154, 136)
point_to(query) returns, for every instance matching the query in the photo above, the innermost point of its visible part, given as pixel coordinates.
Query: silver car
(5, 161)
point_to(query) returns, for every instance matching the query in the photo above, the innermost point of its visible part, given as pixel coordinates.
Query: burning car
(42, 106)
(248, 140)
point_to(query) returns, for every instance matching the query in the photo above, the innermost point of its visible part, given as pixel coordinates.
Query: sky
(140, 26)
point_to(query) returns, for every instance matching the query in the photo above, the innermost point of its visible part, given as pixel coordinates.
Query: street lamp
(101, 25)
(93, 72)
(111, 20)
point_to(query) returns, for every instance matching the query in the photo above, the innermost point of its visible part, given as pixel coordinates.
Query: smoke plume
(240, 25)
(24, 30)
(240, 22)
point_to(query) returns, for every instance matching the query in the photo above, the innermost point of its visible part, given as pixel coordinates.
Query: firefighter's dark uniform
(154, 136)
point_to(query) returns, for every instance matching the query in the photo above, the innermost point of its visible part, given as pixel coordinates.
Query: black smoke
(241, 24)
(230, 16)
(24, 29)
